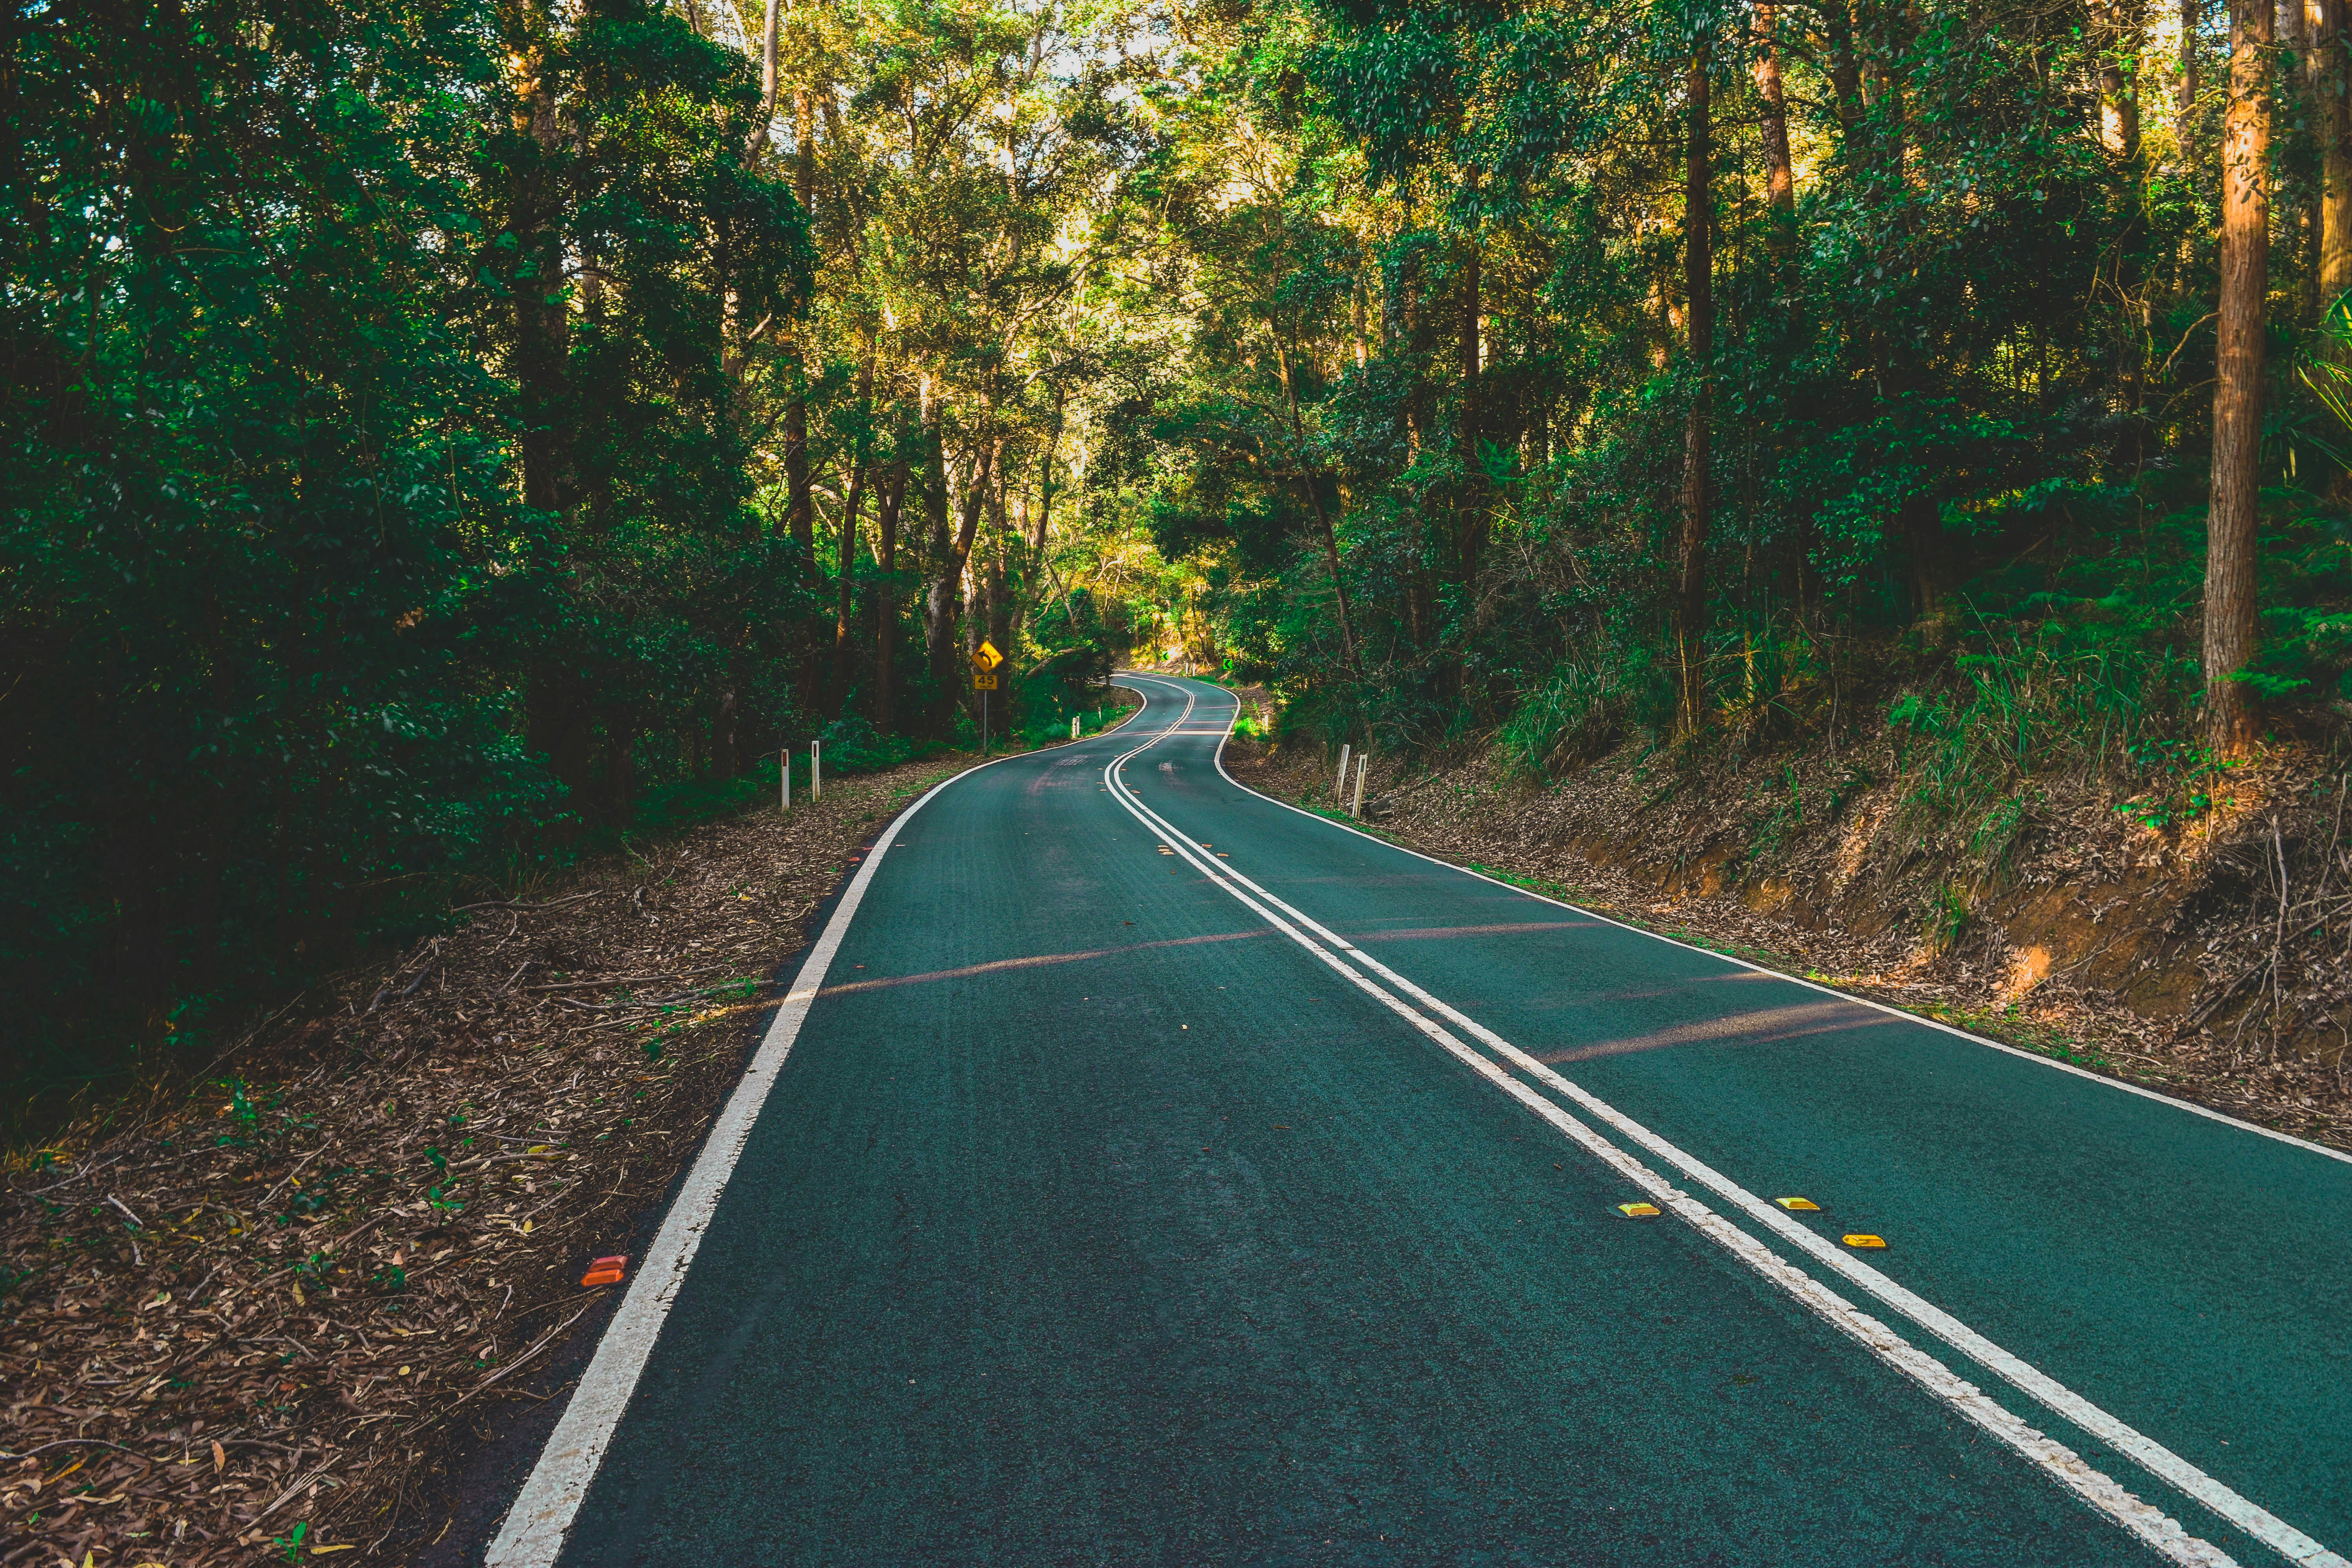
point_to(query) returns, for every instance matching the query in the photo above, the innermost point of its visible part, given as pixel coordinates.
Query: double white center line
(1424, 1012)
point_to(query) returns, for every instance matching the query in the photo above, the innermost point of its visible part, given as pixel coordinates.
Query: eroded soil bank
(2209, 957)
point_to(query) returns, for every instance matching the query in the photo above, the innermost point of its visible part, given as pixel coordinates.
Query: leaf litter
(239, 1316)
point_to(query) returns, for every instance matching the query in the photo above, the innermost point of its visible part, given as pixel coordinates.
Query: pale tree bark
(1698, 296)
(755, 146)
(2229, 610)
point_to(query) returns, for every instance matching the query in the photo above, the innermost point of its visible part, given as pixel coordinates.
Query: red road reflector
(1639, 1211)
(1863, 1241)
(1799, 1205)
(606, 1271)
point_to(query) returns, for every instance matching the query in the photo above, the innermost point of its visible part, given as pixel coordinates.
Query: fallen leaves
(294, 1272)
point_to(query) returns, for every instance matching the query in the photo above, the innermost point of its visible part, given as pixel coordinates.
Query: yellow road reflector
(1638, 1211)
(1863, 1241)
(1799, 1205)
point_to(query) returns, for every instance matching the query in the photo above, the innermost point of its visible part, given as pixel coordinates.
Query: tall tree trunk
(2229, 610)
(1845, 72)
(943, 604)
(1323, 523)
(846, 586)
(2120, 26)
(755, 146)
(1470, 509)
(2192, 12)
(1000, 615)
(1470, 525)
(724, 761)
(2119, 34)
(796, 465)
(847, 562)
(2335, 126)
(559, 712)
(536, 200)
(1779, 179)
(886, 594)
(1699, 292)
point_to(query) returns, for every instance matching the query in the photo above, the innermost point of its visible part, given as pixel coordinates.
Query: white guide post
(816, 770)
(1076, 719)
(1339, 790)
(1362, 762)
(785, 772)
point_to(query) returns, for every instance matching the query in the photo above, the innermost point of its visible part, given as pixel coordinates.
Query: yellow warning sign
(985, 656)
(1638, 1211)
(1799, 1205)
(1863, 1241)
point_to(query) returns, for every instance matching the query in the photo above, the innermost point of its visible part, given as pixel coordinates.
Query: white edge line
(2143, 1519)
(541, 1517)
(2159, 1461)
(1891, 1011)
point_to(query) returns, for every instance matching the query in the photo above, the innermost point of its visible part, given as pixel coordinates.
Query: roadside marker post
(1076, 719)
(1339, 790)
(785, 772)
(816, 770)
(1364, 761)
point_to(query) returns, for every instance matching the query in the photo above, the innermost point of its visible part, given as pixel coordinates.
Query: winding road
(1142, 1171)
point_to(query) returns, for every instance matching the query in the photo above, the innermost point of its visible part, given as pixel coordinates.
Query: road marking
(533, 1532)
(2062, 1464)
(2159, 1461)
(1757, 972)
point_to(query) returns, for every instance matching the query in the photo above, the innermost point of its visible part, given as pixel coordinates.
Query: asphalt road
(1154, 1174)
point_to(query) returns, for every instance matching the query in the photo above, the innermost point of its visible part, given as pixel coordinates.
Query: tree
(2230, 606)
(1698, 296)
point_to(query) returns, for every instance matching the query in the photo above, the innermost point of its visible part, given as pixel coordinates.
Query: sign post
(984, 660)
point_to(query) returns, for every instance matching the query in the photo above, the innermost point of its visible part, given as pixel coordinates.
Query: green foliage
(1956, 396)
(1581, 710)
(1947, 918)
(342, 532)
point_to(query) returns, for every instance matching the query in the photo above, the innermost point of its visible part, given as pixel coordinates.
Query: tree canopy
(440, 431)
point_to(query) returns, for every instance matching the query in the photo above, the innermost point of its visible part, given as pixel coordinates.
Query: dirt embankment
(260, 1312)
(2210, 957)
